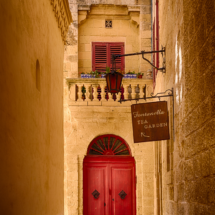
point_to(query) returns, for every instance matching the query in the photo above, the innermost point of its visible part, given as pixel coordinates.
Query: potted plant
(128, 74)
(97, 74)
(140, 75)
(133, 75)
(103, 75)
(92, 74)
(107, 70)
(120, 71)
(83, 75)
(88, 75)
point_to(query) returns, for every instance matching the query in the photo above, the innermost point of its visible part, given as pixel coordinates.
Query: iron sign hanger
(157, 96)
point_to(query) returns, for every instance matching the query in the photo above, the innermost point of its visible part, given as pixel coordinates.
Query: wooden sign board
(150, 121)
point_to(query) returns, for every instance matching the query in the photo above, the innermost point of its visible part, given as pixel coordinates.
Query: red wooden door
(109, 185)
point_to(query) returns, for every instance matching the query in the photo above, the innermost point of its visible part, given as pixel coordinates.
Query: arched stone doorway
(109, 185)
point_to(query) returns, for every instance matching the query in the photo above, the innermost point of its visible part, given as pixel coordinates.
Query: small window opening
(108, 23)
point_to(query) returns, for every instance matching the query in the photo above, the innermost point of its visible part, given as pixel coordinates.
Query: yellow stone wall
(88, 122)
(187, 32)
(31, 110)
(125, 28)
(83, 120)
(131, 25)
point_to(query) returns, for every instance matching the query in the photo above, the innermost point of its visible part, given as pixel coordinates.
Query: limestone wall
(83, 123)
(132, 25)
(125, 28)
(86, 120)
(187, 32)
(31, 110)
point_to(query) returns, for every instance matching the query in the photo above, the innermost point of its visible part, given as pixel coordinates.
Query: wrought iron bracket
(162, 51)
(157, 96)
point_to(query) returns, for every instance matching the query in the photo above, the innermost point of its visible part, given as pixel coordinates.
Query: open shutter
(117, 49)
(100, 56)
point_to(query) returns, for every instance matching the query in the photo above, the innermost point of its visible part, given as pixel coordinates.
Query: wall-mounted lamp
(114, 79)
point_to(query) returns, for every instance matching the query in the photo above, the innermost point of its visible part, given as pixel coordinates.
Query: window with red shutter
(101, 55)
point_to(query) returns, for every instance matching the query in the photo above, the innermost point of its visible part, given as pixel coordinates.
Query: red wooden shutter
(99, 56)
(117, 49)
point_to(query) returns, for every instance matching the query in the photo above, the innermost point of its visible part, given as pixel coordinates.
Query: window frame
(109, 46)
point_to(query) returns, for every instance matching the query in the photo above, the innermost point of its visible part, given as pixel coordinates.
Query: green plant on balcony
(140, 75)
(129, 72)
(107, 70)
(97, 74)
(120, 71)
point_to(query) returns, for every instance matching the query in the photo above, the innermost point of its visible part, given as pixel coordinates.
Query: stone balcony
(92, 91)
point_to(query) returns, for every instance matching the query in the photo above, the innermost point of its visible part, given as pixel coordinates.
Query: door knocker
(122, 194)
(95, 194)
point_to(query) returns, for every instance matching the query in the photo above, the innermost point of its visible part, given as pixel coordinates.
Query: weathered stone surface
(194, 110)
(212, 161)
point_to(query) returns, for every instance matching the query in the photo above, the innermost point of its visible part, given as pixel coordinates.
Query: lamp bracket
(162, 51)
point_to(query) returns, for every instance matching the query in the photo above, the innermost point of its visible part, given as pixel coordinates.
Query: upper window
(102, 52)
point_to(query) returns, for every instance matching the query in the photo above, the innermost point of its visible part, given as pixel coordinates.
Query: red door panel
(121, 191)
(109, 175)
(95, 190)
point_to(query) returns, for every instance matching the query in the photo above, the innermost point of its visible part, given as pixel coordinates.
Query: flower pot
(140, 76)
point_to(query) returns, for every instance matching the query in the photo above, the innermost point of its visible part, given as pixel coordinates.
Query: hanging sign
(150, 121)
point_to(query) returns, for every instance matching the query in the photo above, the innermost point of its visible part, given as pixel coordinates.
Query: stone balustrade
(93, 91)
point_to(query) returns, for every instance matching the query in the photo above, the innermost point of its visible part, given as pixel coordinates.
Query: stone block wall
(81, 122)
(139, 13)
(187, 31)
(125, 28)
(88, 122)
(31, 124)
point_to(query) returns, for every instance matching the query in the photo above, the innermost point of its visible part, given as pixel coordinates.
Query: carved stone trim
(134, 8)
(84, 7)
(63, 15)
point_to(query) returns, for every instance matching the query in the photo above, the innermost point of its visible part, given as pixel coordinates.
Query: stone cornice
(134, 8)
(63, 15)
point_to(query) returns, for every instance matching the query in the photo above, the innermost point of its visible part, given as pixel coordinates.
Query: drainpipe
(151, 27)
(157, 33)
